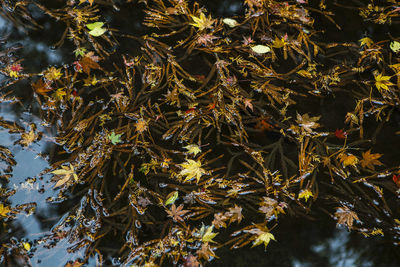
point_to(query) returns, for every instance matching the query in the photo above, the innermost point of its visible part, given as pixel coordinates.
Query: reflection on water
(300, 243)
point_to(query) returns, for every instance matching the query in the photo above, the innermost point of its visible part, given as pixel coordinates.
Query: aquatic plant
(199, 137)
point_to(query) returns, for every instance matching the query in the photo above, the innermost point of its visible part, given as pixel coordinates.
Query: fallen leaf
(230, 22)
(193, 149)
(4, 210)
(171, 198)
(192, 169)
(67, 172)
(369, 160)
(261, 49)
(96, 28)
(395, 46)
(348, 159)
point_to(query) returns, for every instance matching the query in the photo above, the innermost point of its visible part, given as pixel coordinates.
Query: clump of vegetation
(201, 138)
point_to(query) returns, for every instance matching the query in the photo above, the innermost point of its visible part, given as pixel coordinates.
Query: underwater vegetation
(172, 133)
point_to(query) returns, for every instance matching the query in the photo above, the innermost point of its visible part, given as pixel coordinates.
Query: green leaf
(395, 46)
(115, 138)
(171, 198)
(96, 28)
(92, 26)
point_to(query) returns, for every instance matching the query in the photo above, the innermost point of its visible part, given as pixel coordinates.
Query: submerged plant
(201, 139)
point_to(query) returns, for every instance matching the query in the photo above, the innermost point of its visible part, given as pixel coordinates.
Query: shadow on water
(300, 242)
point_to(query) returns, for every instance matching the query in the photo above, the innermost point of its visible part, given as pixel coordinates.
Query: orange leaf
(369, 160)
(41, 87)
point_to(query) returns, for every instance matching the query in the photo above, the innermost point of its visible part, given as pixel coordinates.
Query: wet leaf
(395, 46)
(263, 238)
(230, 22)
(96, 28)
(4, 210)
(348, 159)
(66, 172)
(382, 82)
(40, 87)
(208, 236)
(306, 194)
(177, 213)
(369, 160)
(261, 49)
(193, 149)
(345, 216)
(27, 246)
(192, 169)
(202, 22)
(115, 138)
(171, 198)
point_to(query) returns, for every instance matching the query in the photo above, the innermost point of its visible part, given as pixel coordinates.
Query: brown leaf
(345, 216)
(176, 213)
(89, 62)
(369, 160)
(40, 87)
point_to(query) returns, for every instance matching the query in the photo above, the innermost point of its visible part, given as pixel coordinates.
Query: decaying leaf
(345, 216)
(176, 213)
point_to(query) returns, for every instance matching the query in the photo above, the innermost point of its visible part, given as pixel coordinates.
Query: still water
(300, 241)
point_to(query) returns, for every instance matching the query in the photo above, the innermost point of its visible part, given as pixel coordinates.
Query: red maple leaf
(340, 134)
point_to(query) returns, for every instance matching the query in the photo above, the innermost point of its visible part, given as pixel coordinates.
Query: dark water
(312, 241)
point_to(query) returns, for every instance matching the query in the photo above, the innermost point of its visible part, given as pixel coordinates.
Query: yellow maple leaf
(67, 172)
(306, 194)
(193, 149)
(4, 210)
(366, 41)
(278, 43)
(263, 237)
(192, 169)
(202, 22)
(369, 160)
(208, 235)
(348, 160)
(53, 74)
(28, 138)
(382, 82)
